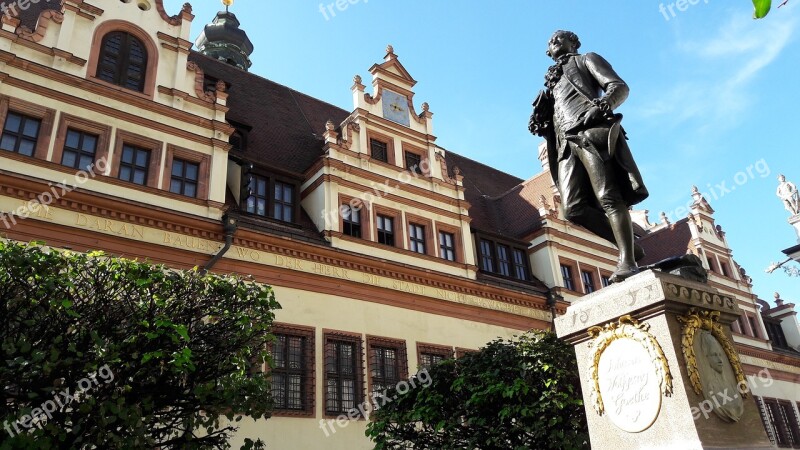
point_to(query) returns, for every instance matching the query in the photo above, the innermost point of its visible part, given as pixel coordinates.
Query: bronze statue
(588, 154)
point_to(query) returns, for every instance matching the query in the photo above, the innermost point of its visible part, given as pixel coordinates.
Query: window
(776, 334)
(780, 421)
(520, 264)
(487, 256)
(122, 61)
(566, 275)
(504, 263)
(388, 364)
(428, 360)
(343, 386)
(416, 234)
(429, 355)
(134, 164)
(293, 372)
(588, 282)
(79, 149)
(711, 264)
(385, 230)
(723, 266)
(413, 162)
(503, 259)
(284, 202)
(351, 221)
(379, 150)
(447, 242)
(257, 202)
(753, 326)
(605, 280)
(20, 134)
(185, 176)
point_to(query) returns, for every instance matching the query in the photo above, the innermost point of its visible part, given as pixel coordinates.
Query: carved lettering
(109, 226)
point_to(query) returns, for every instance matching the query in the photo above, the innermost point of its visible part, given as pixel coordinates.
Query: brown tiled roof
(286, 125)
(667, 242)
(493, 195)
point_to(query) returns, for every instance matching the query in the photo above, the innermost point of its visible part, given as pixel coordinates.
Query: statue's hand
(593, 116)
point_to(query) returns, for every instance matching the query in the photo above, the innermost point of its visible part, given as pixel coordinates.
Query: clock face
(395, 107)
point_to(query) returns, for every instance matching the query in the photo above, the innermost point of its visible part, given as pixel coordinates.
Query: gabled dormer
(383, 187)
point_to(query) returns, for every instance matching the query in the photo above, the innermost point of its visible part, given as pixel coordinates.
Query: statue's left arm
(616, 90)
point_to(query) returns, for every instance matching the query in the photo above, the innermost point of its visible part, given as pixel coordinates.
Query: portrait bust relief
(720, 387)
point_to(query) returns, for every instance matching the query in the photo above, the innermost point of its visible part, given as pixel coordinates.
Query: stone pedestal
(654, 354)
(795, 222)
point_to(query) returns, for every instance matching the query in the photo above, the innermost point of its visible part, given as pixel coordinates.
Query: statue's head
(781, 178)
(563, 42)
(713, 351)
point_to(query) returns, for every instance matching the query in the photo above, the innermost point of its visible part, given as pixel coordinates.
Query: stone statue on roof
(787, 192)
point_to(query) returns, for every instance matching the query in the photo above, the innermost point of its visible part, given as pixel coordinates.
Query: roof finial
(228, 4)
(389, 49)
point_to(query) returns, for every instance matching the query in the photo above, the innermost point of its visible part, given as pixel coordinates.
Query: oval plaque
(629, 385)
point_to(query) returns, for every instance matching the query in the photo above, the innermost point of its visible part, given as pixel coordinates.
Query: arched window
(123, 61)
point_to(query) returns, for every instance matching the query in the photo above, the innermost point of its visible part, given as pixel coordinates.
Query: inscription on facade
(629, 385)
(109, 226)
(190, 243)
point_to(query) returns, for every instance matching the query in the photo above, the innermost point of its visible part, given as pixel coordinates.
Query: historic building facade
(387, 252)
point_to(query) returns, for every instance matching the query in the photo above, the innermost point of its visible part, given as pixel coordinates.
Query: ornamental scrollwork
(695, 320)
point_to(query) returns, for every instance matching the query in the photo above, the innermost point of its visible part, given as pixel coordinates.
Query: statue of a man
(787, 192)
(588, 154)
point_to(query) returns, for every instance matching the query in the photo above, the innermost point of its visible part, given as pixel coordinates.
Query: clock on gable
(395, 107)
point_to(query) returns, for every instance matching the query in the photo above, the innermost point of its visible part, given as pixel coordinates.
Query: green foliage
(175, 350)
(762, 8)
(520, 394)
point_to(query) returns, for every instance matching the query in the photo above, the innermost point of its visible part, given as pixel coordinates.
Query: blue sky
(713, 92)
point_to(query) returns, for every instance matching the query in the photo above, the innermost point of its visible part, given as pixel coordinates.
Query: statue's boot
(622, 227)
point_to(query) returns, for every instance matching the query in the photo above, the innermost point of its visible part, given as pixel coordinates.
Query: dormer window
(123, 61)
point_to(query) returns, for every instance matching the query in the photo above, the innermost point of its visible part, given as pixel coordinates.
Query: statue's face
(560, 45)
(781, 178)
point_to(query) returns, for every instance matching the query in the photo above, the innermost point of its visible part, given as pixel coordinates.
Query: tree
(517, 394)
(103, 352)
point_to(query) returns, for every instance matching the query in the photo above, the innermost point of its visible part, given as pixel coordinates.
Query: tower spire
(224, 40)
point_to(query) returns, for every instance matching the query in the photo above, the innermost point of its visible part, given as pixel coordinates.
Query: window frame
(401, 362)
(366, 215)
(571, 268)
(427, 226)
(155, 147)
(331, 337)
(445, 351)
(457, 241)
(592, 285)
(275, 202)
(424, 163)
(204, 162)
(309, 375)
(399, 228)
(390, 150)
(45, 115)
(121, 72)
(151, 67)
(67, 122)
(494, 258)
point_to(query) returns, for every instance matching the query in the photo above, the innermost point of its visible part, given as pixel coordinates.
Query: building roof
(286, 126)
(672, 240)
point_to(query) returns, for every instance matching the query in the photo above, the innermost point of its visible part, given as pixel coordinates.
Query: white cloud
(717, 92)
